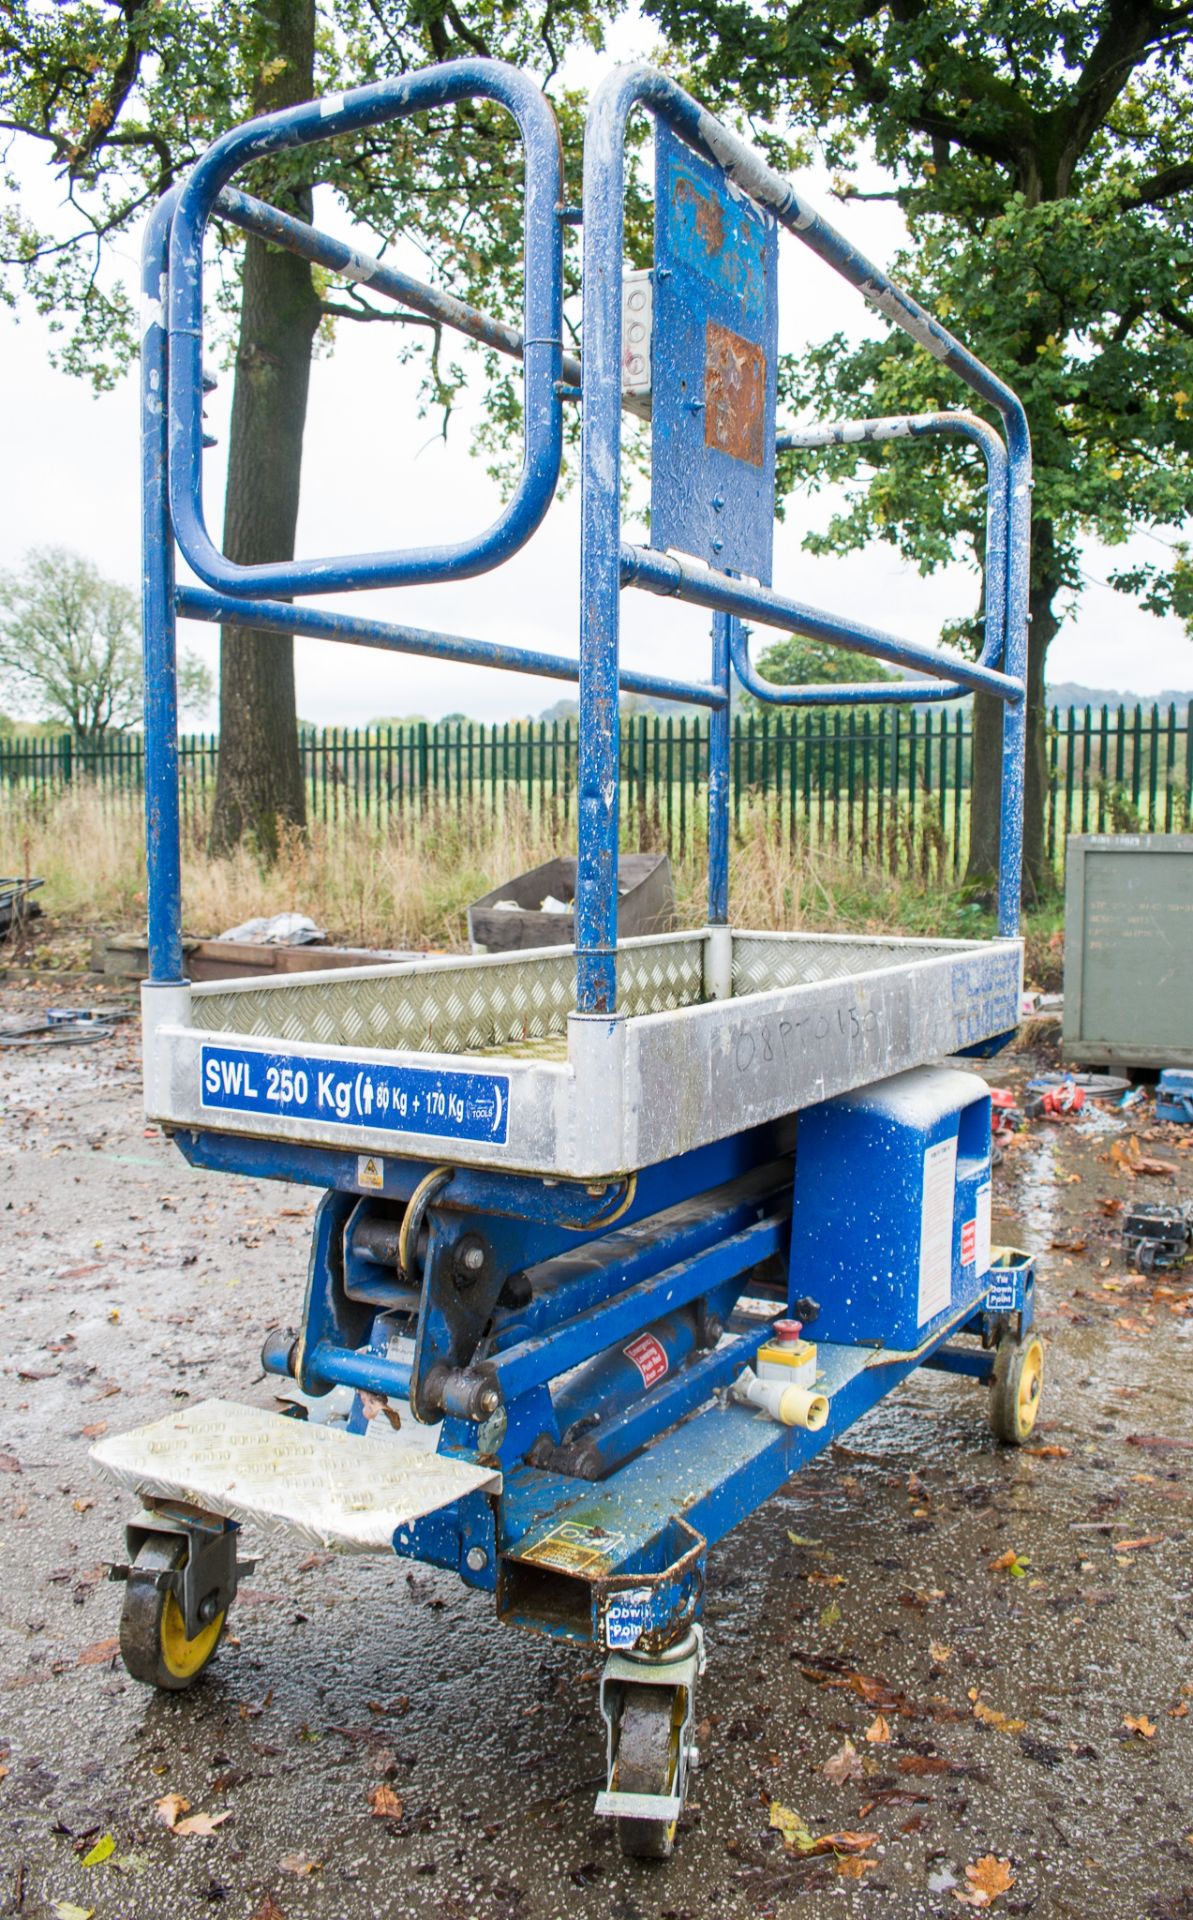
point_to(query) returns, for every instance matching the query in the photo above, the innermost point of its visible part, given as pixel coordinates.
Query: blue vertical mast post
(163, 854)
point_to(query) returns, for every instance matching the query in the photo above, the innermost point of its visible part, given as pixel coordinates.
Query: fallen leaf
(878, 1732)
(1132, 1546)
(170, 1809)
(1159, 1443)
(940, 1653)
(853, 1867)
(801, 1540)
(987, 1878)
(796, 1836)
(844, 1842)
(845, 1764)
(268, 1910)
(201, 1825)
(103, 1850)
(99, 1653)
(298, 1864)
(94, 1431)
(925, 1763)
(312, 1561)
(1050, 1452)
(830, 1615)
(385, 1804)
(991, 1717)
(67, 1910)
(1012, 1563)
(1140, 1724)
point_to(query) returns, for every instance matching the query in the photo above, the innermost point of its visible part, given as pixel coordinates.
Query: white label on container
(936, 1229)
(981, 1263)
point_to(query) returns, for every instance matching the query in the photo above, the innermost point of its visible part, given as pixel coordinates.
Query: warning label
(969, 1242)
(649, 1356)
(575, 1548)
(370, 1172)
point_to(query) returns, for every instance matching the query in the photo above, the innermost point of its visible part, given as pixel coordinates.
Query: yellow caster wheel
(153, 1642)
(1016, 1388)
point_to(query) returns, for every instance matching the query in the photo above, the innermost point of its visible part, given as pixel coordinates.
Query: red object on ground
(1056, 1103)
(1005, 1116)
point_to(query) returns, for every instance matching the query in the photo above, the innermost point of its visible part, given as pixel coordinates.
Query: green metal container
(1129, 949)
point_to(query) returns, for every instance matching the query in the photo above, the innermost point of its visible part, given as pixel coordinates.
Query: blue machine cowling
(891, 1222)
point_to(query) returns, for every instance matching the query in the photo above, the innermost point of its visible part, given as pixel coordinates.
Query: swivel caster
(1016, 1388)
(180, 1581)
(153, 1638)
(649, 1706)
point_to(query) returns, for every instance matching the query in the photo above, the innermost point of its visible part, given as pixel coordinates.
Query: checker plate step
(337, 1490)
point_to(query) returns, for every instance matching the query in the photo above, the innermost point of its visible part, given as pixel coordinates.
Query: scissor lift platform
(491, 1047)
(578, 1204)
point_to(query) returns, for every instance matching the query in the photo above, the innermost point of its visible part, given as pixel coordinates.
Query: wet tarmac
(1037, 1709)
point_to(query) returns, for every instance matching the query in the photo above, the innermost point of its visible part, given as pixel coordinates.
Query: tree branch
(1164, 185)
(333, 310)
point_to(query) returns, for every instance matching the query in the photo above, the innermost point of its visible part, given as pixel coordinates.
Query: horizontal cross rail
(688, 579)
(278, 616)
(282, 230)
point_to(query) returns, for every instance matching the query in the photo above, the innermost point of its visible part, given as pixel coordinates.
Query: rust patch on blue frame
(734, 394)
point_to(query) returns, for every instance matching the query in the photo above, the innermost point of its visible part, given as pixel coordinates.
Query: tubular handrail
(540, 351)
(283, 230)
(680, 575)
(277, 616)
(607, 564)
(258, 596)
(840, 433)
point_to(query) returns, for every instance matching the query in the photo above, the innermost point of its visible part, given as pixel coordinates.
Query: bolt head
(473, 1258)
(490, 1400)
(476, 1559)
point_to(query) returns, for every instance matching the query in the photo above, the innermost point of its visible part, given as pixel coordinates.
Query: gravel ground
(1036, 1711)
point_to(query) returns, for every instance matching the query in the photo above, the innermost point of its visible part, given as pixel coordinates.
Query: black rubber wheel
(1016, 1389)
(153, 1642)
(648, 1762)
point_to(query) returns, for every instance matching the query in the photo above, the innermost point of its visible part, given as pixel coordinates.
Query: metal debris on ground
(62, 1026)
(1174, 1096)
(1157, 1236)
(15, 904)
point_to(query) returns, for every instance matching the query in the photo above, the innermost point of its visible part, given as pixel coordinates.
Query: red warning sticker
(969, 1243)
(648, 1356)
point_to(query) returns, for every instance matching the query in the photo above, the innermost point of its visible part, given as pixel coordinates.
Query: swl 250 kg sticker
(458, 1106)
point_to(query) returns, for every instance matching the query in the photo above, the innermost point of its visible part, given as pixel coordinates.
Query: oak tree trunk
(259, 784)
(982, 869)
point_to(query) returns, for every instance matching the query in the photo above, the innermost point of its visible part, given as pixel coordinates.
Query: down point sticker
(356, 1093)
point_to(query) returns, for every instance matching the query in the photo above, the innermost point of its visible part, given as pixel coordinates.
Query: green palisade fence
(889, 787)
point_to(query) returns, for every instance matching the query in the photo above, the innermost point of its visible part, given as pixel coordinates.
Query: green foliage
(1041, 156)
(70, 646)
(121, 99)
(798, 662)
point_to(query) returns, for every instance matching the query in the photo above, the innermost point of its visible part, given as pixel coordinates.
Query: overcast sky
(375, 475)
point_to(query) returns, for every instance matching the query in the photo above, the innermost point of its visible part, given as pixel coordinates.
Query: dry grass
(408, 884)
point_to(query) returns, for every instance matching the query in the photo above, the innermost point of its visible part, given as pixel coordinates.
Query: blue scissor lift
(576, 1202)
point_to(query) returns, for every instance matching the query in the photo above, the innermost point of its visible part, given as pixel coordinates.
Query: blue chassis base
(620, 1561)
